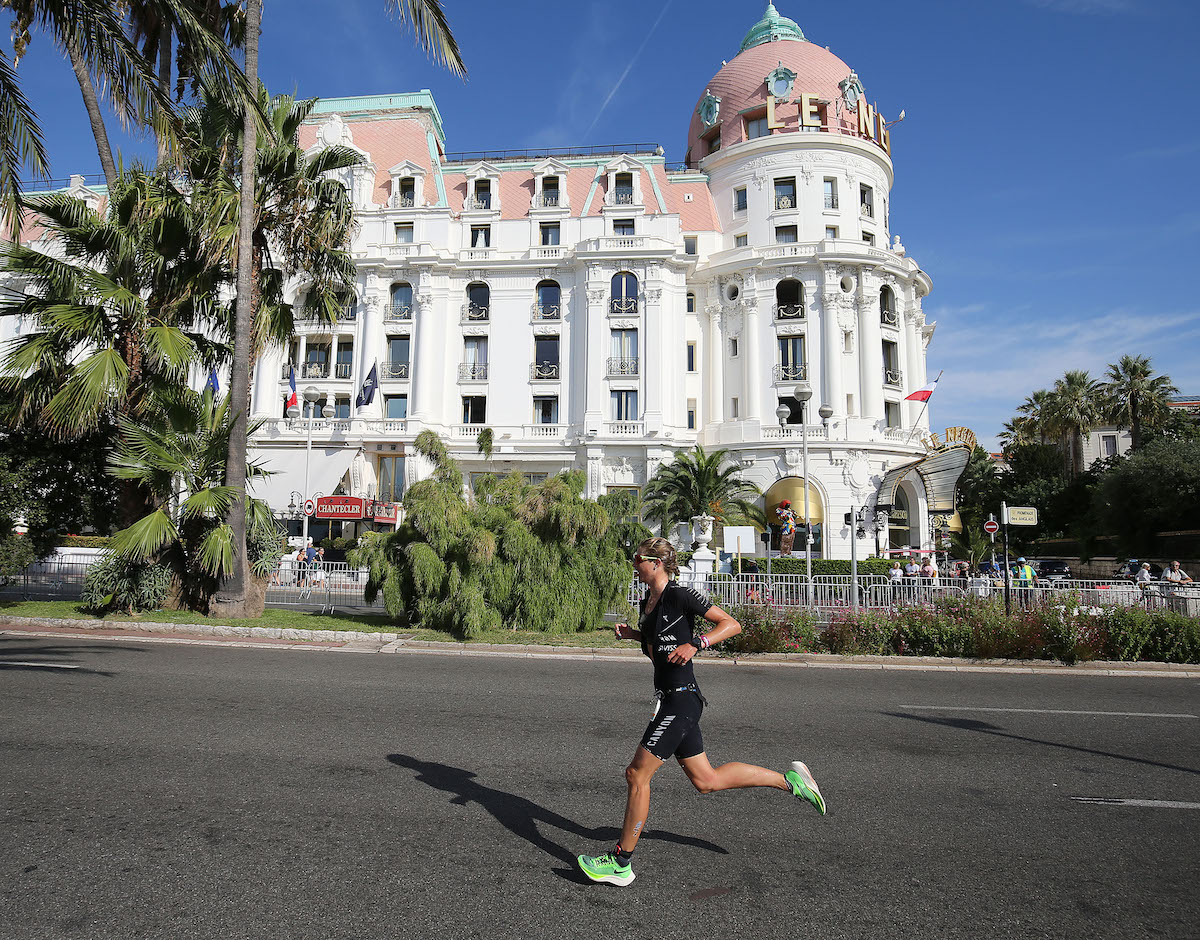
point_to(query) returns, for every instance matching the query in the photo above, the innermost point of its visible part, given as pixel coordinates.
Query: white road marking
(1161, 804)
(1045, 711)
(9, 662)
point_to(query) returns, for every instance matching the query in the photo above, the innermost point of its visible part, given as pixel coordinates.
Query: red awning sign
(340, 507)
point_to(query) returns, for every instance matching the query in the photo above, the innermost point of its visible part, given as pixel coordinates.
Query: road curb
(358, 642)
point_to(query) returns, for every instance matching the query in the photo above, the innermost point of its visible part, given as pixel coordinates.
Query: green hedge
(84, 541)
(820, 566)
(977, 627)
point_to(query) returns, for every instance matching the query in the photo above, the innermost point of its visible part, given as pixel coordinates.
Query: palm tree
(92, 35)
(1035, 409)
(433, 34)
(1136, 396)
(181, 461)
(1076, 406)
(700, 484)
(121, 310)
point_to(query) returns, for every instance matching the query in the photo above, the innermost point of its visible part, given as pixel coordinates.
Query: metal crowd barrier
(325, 586)
(56, 579)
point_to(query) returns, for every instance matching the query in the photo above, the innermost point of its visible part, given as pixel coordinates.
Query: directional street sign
(309, 507)
(1022, 515)
(991, 527)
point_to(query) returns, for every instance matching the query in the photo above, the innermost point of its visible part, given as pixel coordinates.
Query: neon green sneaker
(606, 868)
(803, 785)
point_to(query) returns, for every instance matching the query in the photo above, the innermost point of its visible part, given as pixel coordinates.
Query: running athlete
(666, 630)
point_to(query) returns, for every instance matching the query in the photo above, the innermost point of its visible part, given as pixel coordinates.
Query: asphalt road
(157, 790)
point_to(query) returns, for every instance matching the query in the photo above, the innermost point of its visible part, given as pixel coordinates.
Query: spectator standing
(1176, 575)
(929, 570)
(912, 569)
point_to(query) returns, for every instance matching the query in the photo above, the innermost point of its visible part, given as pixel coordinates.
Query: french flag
(292, 399)
(923, 393)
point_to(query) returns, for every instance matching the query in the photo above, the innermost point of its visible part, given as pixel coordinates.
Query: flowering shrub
(768, 629)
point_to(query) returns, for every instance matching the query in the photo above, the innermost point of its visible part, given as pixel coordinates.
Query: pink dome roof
(740, 85)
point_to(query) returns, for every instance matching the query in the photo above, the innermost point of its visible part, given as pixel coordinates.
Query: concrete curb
(358, 642)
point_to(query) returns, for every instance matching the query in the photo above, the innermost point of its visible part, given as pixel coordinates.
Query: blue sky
(1044, 172)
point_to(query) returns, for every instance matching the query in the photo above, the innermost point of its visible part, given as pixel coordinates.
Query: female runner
(666, 629)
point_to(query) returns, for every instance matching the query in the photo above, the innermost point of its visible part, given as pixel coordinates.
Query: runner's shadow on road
(973, 724)
(521, 816)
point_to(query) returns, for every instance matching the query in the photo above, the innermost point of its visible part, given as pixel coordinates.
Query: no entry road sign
(991, 527)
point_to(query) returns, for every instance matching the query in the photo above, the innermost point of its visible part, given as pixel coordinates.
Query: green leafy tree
(1137, 398)
(698, 483)
(1154, 489)
(539, 557)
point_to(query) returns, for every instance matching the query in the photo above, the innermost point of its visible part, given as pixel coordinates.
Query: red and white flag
(923, 393)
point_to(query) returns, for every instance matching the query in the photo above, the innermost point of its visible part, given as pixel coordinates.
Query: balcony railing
(545, 371)
(888, 317)
(623, 306)
(342, 370)
(478, 201)
(814, 432)
(395, 370)
(386, 425)
(621, 196)
(286, 371)
(547, 251)
(472, 372)
(547, 312)
(784, 201)
(474, 313)
(618, 366)
(348, 314)
(314, 370)
(893, 377)
(789, 311)
(406, 201)
(866, 209)
(831, 201)
(790, 373)
(546, 200)
(624, 428)
(393, 312)
(545, 430)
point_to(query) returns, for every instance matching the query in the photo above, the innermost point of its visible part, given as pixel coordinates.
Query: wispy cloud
(1164, 153)
(628, 68)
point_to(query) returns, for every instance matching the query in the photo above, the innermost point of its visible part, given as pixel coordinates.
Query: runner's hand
(622, 631)
(678, 655)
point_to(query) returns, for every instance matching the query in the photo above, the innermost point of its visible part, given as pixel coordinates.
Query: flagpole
(924, 405)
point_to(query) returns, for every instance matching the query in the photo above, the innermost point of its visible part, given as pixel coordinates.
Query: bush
(773, 630)
(16, 554)
(113, 583)
(820, 566)
(84, 541)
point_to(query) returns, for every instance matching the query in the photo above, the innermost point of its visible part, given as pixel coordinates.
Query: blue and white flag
(367, 395)
(212, 383)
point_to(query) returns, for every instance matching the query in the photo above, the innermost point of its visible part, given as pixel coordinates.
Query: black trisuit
(675, 728)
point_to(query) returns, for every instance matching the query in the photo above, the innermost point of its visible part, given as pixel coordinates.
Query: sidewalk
(352, 641)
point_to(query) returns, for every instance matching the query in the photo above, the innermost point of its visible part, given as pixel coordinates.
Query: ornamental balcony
(621, 196)
(474, 313)
(394, 313)
(481, 201)
(552, 431)
(546, 200)
(831, 201)
(545, 371)
(785, 202)
(624, 428)
(342, 370)
(347, 314)
(473, 372)
(889, 317)
(618, 366)
(866, 210)
(789, 311)
(547, 312)
(395, 369)
(623, 306)
(893, 377)
(314, 370)
(797, 372)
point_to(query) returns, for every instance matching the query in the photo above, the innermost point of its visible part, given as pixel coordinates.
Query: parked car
(1052, 570)
(1130, 569)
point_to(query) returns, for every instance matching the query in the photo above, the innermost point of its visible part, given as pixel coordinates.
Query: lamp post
(312, 395)
(802, 394)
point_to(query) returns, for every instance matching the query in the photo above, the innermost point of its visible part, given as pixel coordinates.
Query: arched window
(789, 300)
(400, 307)
(549, 301)
(478, 300)
(624, 293)
(887, 306)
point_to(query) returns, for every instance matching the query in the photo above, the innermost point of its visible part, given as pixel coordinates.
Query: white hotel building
(601, 310)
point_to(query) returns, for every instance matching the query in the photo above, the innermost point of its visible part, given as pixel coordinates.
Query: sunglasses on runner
(638, 559)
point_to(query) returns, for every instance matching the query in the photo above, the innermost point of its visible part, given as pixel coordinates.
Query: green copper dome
(771, 28)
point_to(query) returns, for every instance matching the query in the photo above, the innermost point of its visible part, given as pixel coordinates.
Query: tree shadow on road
(19, 655)
(973, 724)
(521, 816)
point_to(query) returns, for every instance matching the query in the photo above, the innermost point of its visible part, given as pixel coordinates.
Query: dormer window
(408, 180)
(549, 185)
(481, 196)
(550, 192)
(623, 190)
(408, 192)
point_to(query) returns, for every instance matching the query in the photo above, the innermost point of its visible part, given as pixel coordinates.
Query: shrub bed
(976, 627)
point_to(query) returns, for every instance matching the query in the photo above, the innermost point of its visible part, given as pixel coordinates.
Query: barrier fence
(337, 586)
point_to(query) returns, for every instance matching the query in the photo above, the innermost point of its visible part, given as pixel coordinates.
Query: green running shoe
(607, 868)
(803, 785)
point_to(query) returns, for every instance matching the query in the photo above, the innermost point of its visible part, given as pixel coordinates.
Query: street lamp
(312, 395)
(802, 394)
